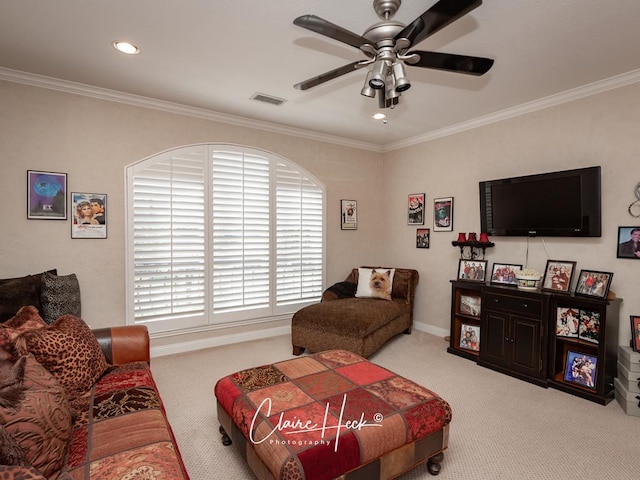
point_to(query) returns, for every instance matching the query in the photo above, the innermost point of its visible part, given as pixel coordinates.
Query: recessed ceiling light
(126, 47)
(379, 116)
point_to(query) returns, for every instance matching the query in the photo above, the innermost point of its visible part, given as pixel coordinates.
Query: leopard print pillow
(60, 295)
(69, 350)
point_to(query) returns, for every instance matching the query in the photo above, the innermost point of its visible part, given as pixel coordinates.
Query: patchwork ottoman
(331, 415)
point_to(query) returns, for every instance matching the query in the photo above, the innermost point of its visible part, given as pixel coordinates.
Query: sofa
(349, 318)
(77, 403)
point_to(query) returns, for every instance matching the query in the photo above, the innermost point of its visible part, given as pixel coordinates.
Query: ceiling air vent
(261, 97)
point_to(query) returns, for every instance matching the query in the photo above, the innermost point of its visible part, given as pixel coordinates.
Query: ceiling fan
(387, 46)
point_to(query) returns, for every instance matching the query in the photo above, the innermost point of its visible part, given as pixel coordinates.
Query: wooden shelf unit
(465, 310)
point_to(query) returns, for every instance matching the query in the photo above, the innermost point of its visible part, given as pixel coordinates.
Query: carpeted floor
(502, 428)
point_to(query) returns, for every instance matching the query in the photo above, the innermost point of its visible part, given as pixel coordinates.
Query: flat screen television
(560, 204)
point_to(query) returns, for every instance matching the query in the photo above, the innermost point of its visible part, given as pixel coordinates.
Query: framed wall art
(505, 273)
(46, 195)
(593, 284)
(415, 207)
(348, 214)
(629, 242)
(558, 275)
(470, 337)
(443, 214)
(422, 237)
(89, 215)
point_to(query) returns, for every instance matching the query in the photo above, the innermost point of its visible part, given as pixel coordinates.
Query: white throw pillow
(375, 282)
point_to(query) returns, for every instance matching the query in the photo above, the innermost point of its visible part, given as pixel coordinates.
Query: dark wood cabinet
(524, 333)
(513, 333)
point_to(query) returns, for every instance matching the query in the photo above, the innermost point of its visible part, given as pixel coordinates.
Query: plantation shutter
(169, 238)
(299, 249)
(241, 232)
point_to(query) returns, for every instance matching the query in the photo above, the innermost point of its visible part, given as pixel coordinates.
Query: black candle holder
(472, 249)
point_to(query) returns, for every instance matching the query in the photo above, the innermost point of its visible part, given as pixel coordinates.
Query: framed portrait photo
(629, 242)
(422, 237)
(581, 369)
(635, 333)
(472, 270)
(89, 215)
(558, 275)
(443, 214)
(505, 273)
(46, 195)
(348, 215)
(470, 337)
(592, 283)
(567, 322)
(415, 207)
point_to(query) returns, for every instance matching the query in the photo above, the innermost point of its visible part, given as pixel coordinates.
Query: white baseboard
(190, 346)
(423, 327)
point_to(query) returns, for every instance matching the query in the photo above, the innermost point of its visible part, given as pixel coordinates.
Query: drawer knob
(524, 305)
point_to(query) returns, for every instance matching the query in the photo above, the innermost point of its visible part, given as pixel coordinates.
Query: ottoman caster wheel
(434, 464)
(226, 440)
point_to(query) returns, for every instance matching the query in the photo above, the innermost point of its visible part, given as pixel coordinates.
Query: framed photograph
(422, 237)
(558, 275)
(46, 195)
(635, 333)
(589, 327)
(567, 322)
(470, 305)
(472, 270)
(593, 284)
(415, 205)
(629, 242)
(470, 337)
(504, 273)
(581, 369)
(89, 215)
(443, 214)
(348, 215)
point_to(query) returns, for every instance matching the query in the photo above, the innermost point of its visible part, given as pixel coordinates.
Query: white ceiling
(215, 55)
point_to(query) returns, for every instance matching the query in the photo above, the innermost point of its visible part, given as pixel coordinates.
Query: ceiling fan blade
(452, 62)
(325, 77)
(328, 29)
(437, 17)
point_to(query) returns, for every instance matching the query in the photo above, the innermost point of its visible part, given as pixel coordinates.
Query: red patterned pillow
(27, 318)
(40, 423)
(69, 350)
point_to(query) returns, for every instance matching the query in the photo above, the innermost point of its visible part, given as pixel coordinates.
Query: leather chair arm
(124, 344)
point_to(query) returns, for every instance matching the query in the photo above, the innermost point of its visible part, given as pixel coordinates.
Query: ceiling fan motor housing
(386, 9)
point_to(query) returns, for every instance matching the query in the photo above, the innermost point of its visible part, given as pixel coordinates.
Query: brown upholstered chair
(360, 325)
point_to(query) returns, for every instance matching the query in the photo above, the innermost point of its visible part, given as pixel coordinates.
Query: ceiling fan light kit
(387, 43)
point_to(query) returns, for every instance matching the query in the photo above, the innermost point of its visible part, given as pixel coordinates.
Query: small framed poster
(415, 206)
(46, 195)
(443, 214)
(422, 237)
(348, 215)
(89, 215)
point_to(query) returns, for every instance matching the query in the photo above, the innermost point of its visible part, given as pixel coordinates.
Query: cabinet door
(494, 338)
(525, 344)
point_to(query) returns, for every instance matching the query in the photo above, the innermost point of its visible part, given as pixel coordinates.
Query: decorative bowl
(528, 279)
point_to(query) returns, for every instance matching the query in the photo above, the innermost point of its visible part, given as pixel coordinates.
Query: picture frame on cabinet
(415, 209)
(567, 322)
(581, 369)
(470, 337)
(423, 237)
(635, 333)
(504, 273)
(46, 195)
(472, 270)
(629, 242)
(592, 283)
(443, 214)
(558, 275)
(348, 215)
(589, 326)
(470, 305)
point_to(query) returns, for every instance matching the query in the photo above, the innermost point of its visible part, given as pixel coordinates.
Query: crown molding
(535, 105)
(66, 86)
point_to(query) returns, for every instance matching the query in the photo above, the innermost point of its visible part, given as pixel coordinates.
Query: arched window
(221, 234)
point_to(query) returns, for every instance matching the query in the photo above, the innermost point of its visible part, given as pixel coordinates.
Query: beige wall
(600, 130)
(93, 140)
